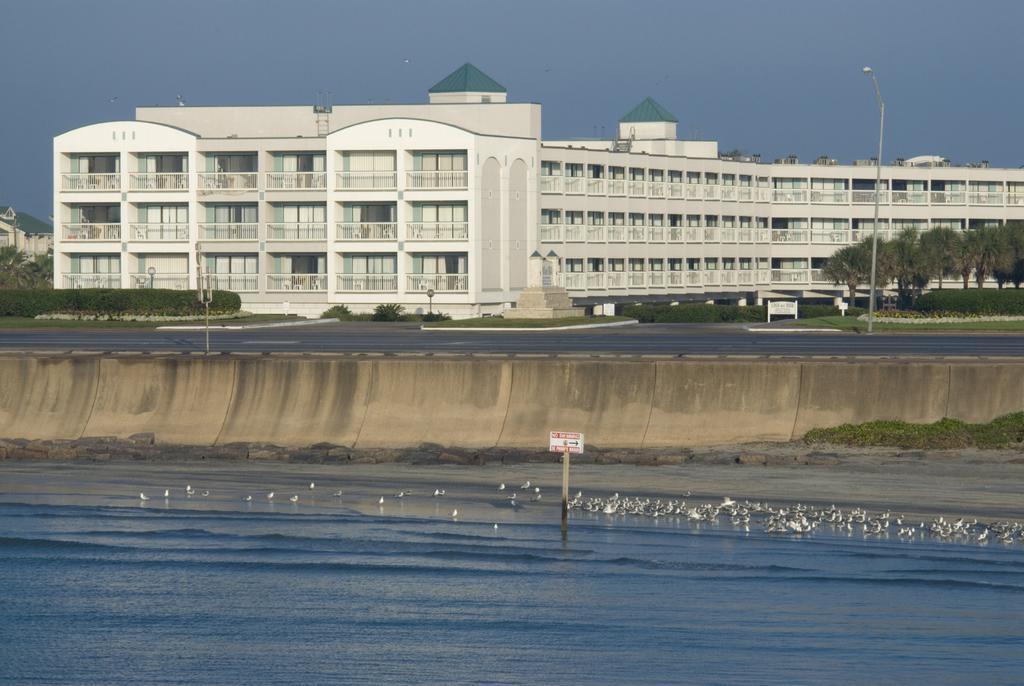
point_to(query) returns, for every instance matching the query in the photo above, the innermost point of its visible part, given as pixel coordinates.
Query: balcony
(616, 234)
(1014, 199)
(594, 280)
(728, 193)
(296, 181)
(297, 231)
(655, 189)
(574, 185)
(656, 234)
(710, 278)
(158, 181)
(947, 197)
(304, 283)
(674, 278)
(437, 231)
(986, 198)
(90, 182)
(692, 191)
(551, 184)
(636, 189)
(367, 283)
(229, 231)
(616, 187)
(158, 232)
(595, 186)
(693, 278)
(789, 236)
(439, 283)
(745, 194)
(830, 197)
(574, 233)
(711, 193)
(745, 277)
(789, 195)
(176, 282)
(728, 277)
(551, 233)
(692, 234)
(637, 234)
(790, 276)
(745, 236)
(92, 232)
(909, 197)
(92, 281)
(818, 276)
(239, 283)
(675, 234)
(636, 279)
(868, 197)
(366, 181)
(675, 190)
(616, 279)
(830, 237)
(595, 233)
(711, 234)
(574, 281)
(656, 279)
(727, 235)
(434, 180)
(366, 231)
(227, 181)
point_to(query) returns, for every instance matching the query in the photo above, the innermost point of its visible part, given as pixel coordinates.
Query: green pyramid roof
(467, 78)
(27, 223)
(647, 111)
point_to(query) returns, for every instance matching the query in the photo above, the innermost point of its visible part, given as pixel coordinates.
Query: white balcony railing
(616, 279)
(92, 232)
(711, 192)
(693, 278)
(745, 277)
(367, 283)
(675, 190)
(574, 233)
(830, 237)
(1015, 199)
(674, 278)
(868, 197)
(909, 197)
(595, 280)
(675, 234)
(655, 189)
(745, 235)
(551, 184)
(429, 180)
(595, 233)
(297, 231)
(177, 282)
(789, 195)
(229, 231)
(366, 181)
(574, 184)
(711, 234)
(637, 234)
(745, 194)
(239, 283)
(693, 191)
(728, 277)
(656, 234)
(790, 276)
(636, 279)
(551, 233)
(727, 192)
(158, 232)
(616, 233)
(616, 187)
(986, 198)
(727, 235)
(227, 181)
(692, 234)
(574, 281)
(296, 181)
(367, 231)
(158, 181)
(297, 282)
(818, 276)
(830, 197)
(92, 281)
(789, 235)
(440, 283)
(637, 189)
(90, 182)
(710, 278)
(656, 279)
(595, 186)
(437, 231)
(947, 197)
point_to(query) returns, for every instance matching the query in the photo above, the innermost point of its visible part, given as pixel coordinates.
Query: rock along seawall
(402, 402)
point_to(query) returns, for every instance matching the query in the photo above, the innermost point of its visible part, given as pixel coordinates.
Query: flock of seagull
(781, 520)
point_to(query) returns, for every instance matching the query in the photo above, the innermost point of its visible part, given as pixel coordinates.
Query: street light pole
(878, 192)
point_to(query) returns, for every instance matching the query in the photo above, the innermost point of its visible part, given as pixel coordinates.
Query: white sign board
(783, 307)
(565, 442)
(843, 307)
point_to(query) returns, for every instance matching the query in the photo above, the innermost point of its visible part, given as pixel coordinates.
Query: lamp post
(868, 71)
(152, 274)
(430, 299)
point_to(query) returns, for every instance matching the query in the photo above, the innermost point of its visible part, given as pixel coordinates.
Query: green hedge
(113, 302)
(973, 301)
(811, 311)
(694, 313)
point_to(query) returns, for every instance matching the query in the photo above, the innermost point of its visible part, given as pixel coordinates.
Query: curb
(628, 322)
(242, 327)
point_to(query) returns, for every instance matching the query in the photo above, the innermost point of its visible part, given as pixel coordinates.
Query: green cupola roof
(467, 79)
(648, 111)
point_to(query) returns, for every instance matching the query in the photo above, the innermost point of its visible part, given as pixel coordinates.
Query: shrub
(973, 301)
(435, 317)
(811, 311)
(388, 312)
(1003, 432)
(337, 312)
(113, 302)
(694, 313)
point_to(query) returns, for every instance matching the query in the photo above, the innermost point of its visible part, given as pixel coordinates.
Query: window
(574, 170)
(96, 264)
(728, 222)
(96, 214)
(441, 161)
(616, 172)
(233, 163)
(163, 214)
(616, 218)
(595, 171)
(616, 264)
(232, 214)
(370, 264)
(636, 174)
(163, 164)
(574, 217)
(636, 219)
(595, 264)
(439, 264)
(595, 218)
(675, 220)
(675, 176)
(656, 175)
(368, 161)
(711, 220)
(232, 264)
(656, 219)
(300, 162)
(548, 168)
(574, 264)
(551, 216)
(302, 214)
(636, 264)
(675, 264)
(693, 220)
(656, 265)
(692, 177)
(96, 164)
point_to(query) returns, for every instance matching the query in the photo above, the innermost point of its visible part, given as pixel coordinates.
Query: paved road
(636, 340)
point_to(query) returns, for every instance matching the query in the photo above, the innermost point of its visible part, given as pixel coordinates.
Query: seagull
(402, 494)
(294, 499)
(438, 492)
(495, 526)
(337, 494)
(455, 513)
(381, 501)
(270, 496)
(143, 496)
(501, 487)
(206, 493)
(247, 498)
(189, 490)
(536, 489)
(112, 99)
(525, 486)
(312, 485)
(727, 501)
(167, 493)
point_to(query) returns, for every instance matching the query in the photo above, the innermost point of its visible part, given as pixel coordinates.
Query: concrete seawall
(395, 402)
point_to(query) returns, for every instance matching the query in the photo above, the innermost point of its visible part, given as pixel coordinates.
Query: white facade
(300, 208)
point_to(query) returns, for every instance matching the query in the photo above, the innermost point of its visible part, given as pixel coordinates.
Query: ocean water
(118, 593)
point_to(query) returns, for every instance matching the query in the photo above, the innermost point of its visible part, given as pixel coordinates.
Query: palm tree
(987, 250)
(13, 273)
(1011, 267)
(849, 266)
(940, 246)
(909, 265)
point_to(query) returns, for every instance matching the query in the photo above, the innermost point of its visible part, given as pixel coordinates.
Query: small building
(23, 231)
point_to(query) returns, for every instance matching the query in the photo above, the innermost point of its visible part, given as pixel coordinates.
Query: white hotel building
(297, 208)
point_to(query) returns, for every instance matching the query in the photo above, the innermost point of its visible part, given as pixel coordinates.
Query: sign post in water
(565, 442)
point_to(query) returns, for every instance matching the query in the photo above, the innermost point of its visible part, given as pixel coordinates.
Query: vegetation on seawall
(1002, 432)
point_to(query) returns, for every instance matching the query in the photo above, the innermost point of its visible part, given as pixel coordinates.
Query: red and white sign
(565, 442)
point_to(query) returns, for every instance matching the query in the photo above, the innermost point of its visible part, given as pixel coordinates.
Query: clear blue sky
(769, 77)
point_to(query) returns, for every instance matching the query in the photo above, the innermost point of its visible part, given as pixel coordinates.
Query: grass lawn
(502, 323)
(853, 324)
(29, 323)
